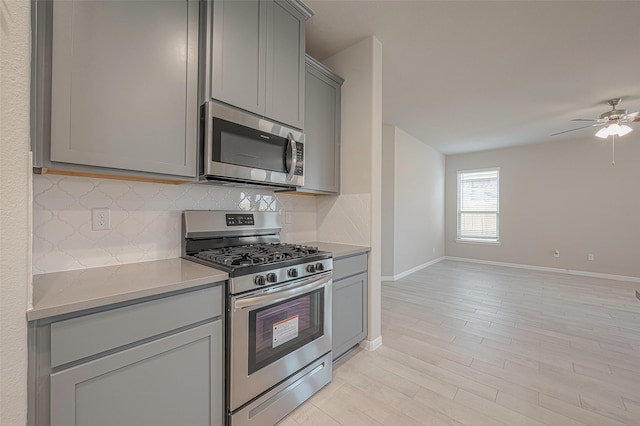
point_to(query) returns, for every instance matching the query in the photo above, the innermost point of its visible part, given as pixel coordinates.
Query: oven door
(240, 146)
(275, 333)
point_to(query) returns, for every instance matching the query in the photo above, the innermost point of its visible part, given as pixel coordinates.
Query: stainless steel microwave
(239, 147)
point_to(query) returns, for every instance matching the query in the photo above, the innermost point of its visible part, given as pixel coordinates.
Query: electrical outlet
(556, 253)
(590, 257)
(100, 219)
(288, 217)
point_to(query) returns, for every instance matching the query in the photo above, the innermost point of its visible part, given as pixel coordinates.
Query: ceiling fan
(613, 121)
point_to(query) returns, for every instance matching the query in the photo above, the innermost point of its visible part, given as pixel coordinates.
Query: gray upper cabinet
(285, 65)
(257, 57)
(123, 85)
(239, 46)
(322, 129)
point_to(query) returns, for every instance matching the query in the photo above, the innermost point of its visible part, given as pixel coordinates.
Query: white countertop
(339, 250)
(61, 293)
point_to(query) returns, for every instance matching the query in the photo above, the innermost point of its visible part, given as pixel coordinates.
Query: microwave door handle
(294, 157)
(266, 299)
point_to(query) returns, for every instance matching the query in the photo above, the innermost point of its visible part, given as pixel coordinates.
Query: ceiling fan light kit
(614, 129)
(612, 122)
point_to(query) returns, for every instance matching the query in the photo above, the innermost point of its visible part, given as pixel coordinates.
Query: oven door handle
(266, 299)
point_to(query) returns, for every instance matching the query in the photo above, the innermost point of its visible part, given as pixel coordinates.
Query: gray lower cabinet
(322, 129)
(349, 303)
(163, 382)
(256, 57)
(155, 362)
(117, 85)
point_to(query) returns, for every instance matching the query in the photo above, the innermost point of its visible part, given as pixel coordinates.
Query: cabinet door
(124, 85)
(239, 53)
(175, 380)
(285, 65)
(322, 132)
(349, 313)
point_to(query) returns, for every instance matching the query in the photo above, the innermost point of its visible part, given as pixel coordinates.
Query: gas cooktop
(247, 244)
(257, 254)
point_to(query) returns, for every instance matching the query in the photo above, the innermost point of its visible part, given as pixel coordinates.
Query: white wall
(561, 195)
(15, 217)
(354, 217)
(388, 201)
(414, 174)
(145, 219)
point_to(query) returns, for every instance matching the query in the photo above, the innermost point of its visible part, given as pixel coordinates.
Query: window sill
(481, 242)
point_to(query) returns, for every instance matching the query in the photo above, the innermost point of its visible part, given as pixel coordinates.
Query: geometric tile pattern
(145, 218)
(345, 219)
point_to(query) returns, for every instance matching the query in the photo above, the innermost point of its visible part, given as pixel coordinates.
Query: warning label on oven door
(285, 330)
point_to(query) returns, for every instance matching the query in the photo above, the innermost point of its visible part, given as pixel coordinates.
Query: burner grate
(257, 254)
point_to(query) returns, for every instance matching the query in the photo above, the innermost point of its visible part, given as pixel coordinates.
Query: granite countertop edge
(339, 250)
(68, 292)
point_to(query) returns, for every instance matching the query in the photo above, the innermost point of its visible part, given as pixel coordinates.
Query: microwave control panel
(299, 159)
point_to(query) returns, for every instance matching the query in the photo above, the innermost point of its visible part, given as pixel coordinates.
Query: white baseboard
(411, 271)
(548, 269)
(371, 345)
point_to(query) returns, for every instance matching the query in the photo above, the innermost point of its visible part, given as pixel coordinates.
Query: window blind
(478, 205)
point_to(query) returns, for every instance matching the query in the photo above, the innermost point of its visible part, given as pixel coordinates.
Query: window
(478, 205)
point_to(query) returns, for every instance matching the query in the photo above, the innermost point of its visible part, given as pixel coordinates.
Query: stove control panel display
(239, 219)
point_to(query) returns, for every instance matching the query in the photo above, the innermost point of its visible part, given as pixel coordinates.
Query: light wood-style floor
(471, 344)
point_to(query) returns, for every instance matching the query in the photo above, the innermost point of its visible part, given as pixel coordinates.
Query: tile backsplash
(345, 219)
(145, 218)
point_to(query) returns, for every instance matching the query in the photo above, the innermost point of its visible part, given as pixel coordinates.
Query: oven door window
(247, 147)
(277, 330)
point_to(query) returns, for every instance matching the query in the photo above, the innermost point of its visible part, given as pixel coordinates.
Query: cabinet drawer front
(348, 266)
(175, 380)
(80, 337)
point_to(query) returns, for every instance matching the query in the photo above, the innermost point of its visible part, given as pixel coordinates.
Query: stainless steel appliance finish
(248, 379)
(240, 147)
(278, 313)
(279, 401)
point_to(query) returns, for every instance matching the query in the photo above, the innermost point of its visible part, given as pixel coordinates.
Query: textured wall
(15, 218)
(145, 219)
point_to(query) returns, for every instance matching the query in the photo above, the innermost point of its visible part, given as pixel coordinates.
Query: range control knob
(293, 272)
(271, 277)
(259, 280)
(319, 267)
(311, 268)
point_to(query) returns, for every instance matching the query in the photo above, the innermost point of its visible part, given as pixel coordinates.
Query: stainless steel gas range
(278, 311)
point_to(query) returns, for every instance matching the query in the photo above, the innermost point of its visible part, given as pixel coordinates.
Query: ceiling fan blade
(634, 116)
(584, 119)
(578, 128)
